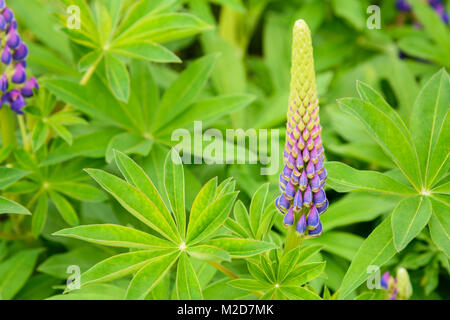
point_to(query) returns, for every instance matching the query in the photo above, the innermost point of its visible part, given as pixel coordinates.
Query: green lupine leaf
(137, 203)
(342, 244)
(257, 207)
(65, 209)
(84, 257)
(146, 50)
(408, 219)
(114, 235)
(137, 177)
(183, 91)
(15, 271)
(161, 28)
(440, 158)
(94, 99)
(149, 276)
(10, 175)
(249, 284)
(211, 219)
(128, 143)
(387, 134)
(120, 265)
(356, 207)
(299, 293)
(187, 284)
(429, 113)
(352, 11)
(118, 77)
(39, 215)
(241, 248)
(89, 145)
(304, 273)
(242, 217)
(174, 186)
(208, 253)
(258, 273)
(80, 191)
(368, 94)
(207, 110)
(344, 178)
(376, 250)
(235, 4)
(235, 227)
(440, 226)
(144, 9)
(40, 133)
(8, 206)
(203, 199)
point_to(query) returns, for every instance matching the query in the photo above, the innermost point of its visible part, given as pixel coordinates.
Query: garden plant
(224, 150)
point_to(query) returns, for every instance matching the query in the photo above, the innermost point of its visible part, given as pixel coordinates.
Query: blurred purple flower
(13, 54)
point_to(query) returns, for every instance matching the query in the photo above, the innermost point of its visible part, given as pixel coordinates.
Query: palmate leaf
(156, 255)
(111, 33)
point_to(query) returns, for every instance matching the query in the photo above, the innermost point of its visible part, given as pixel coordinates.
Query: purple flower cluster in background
(14, 85)
(437, 5)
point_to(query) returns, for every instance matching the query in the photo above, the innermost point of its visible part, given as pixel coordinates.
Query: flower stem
(23, 132)
(293, 240)
(7, 127)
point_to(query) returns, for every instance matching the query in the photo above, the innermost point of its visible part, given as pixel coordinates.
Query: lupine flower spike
(398, 288)
(303, 177)
(14, 85)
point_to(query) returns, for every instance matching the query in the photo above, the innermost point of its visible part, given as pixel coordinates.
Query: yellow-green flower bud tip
(303, 97)
(403, 284)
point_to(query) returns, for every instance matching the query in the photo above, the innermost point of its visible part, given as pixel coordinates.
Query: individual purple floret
(14, 85)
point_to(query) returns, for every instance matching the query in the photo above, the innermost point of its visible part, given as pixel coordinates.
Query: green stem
(7, 127)
(23, 132)
(293, 240)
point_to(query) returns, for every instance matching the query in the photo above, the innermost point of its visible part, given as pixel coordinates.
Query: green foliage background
(141, 226)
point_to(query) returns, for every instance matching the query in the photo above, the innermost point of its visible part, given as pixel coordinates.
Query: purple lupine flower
(14, 85)
(303, 178)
